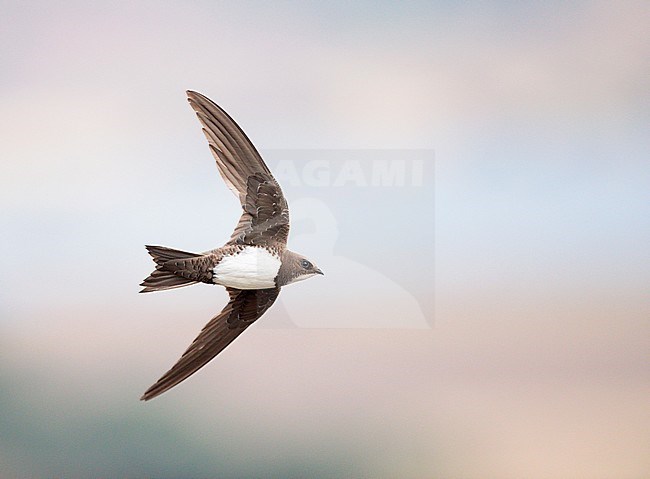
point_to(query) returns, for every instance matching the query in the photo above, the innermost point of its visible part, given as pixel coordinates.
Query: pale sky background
(531, 276)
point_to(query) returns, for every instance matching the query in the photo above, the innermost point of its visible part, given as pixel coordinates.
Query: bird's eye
(305, 264)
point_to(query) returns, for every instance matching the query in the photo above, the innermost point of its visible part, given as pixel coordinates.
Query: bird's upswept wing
(265, 220)
(244, 307)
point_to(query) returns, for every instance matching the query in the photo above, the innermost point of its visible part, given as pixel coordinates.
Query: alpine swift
(253, 265)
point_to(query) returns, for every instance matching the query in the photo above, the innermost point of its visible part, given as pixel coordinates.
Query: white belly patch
(251, 268)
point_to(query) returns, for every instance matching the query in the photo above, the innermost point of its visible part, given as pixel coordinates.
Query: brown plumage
(265, 218)
(253, 265)
(174, 269)
(244, 307)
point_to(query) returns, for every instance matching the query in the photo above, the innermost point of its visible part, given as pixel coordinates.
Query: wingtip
(191, 94)
(151, 393)
(148, 394)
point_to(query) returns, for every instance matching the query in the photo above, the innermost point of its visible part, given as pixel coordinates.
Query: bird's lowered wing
(244, 307)
(265, 220)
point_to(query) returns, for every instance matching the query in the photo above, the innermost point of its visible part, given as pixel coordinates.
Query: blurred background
(506, 336)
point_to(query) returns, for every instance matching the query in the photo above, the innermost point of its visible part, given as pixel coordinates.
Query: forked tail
(170, 269)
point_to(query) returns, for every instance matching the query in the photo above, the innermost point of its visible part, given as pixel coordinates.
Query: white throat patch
(251, 268)
(302, 277)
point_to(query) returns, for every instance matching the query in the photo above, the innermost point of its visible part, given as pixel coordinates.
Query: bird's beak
(318, 271)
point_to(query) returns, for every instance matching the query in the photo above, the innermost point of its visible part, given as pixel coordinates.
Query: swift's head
(294, 268)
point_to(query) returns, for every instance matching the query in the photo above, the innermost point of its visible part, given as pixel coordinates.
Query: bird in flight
(253, 265)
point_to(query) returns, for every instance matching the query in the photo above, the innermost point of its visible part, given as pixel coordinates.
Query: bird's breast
(251, 268)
